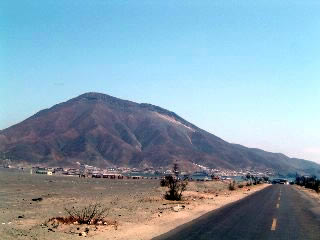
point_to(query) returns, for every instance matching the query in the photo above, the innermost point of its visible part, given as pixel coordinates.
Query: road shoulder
(309, 193)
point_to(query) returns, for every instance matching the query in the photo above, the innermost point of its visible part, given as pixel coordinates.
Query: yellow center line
(278, 205)
(274, 224)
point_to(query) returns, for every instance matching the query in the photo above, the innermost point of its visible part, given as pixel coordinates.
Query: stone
(37, 199)
(177, 208)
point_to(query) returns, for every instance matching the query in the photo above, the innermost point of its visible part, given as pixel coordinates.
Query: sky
(246, 71)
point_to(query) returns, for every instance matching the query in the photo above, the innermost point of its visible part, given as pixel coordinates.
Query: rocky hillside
(101, 130)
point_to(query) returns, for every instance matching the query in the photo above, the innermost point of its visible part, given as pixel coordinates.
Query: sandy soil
(313, 194)
(137, 206)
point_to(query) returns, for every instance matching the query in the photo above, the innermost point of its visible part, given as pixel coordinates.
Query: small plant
(232, 185)
(240, 185)
(176, 186)
(90, 214)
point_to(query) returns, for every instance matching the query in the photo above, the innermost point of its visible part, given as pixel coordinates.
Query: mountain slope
(101, 130)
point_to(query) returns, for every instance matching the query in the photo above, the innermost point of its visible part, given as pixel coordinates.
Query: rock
(99, 222)
(75, 223)
(177, 208)
(83, 234)
(21, 216)
(159, 215)
(39, 199)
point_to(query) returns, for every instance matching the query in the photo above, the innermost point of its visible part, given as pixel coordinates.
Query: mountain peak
(96, 96)
(105, 98)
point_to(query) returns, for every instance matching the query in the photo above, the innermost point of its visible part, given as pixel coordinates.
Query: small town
(203, 174)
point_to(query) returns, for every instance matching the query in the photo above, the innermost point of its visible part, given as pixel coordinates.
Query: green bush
(232, 185)
(308, 182)
(176, 186)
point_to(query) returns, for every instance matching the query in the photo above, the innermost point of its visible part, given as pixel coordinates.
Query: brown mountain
(101, 130)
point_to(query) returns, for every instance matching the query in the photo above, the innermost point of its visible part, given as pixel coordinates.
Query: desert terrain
(136, 208)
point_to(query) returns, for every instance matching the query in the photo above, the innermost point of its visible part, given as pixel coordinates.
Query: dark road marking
(274, 224)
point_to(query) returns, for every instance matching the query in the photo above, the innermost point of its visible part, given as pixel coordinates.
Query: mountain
(102, 130)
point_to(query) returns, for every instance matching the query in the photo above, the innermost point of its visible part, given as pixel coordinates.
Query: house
(40, 170)
(96, 175)
(112, 176)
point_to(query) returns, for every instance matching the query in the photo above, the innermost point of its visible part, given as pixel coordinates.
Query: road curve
(276, 212)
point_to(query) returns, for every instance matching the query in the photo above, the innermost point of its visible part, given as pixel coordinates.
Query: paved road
(277, 212)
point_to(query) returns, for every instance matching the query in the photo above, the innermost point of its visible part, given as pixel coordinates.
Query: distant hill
(101, 130)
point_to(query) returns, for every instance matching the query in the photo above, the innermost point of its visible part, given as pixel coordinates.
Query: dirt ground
(313, 194)
(137, 206)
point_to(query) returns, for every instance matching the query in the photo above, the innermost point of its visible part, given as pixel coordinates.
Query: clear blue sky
(246, 71)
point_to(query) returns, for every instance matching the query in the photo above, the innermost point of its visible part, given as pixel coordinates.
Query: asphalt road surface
(276, 212)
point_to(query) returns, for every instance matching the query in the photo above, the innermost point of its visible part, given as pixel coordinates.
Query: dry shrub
(92, 214)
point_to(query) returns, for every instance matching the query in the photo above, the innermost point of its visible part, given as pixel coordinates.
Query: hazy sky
(246, 71)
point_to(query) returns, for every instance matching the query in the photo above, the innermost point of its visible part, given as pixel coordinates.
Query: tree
(175, 184)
